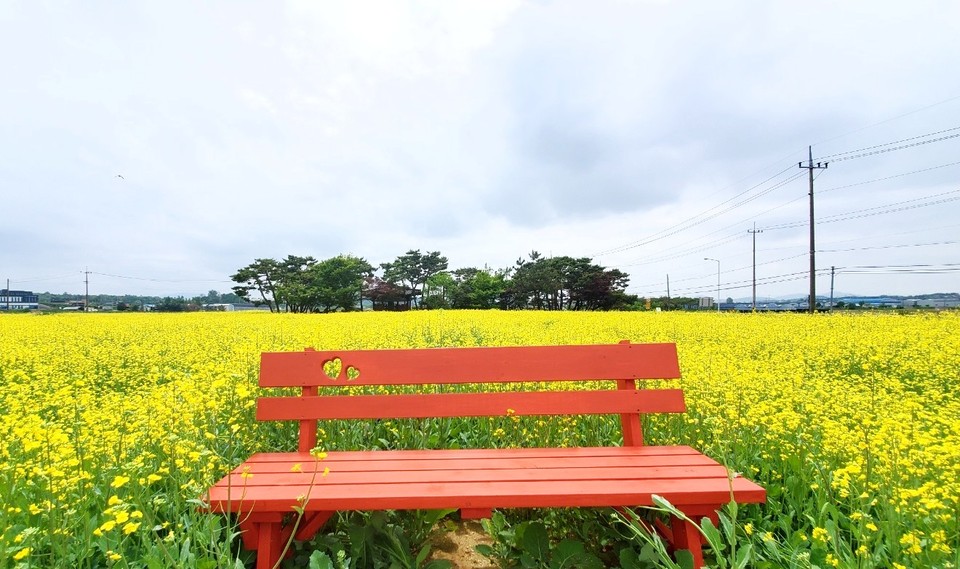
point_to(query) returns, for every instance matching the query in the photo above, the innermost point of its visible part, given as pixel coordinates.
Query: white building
(18, 300)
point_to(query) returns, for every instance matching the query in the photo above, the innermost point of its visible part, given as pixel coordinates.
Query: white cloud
(482, 129)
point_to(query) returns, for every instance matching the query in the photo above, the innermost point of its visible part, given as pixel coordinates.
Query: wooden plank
(456, 454)
(477, 475)
(472, 365)
(460, 454)
(488, 465)
(397, 461)
(452, 494)
(485, 404)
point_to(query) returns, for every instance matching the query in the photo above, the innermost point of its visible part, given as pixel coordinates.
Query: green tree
(261, 276)
(412, 269)
(293, 289)
(565, 283)
(336, 283)
(438, 291)
(477, 288)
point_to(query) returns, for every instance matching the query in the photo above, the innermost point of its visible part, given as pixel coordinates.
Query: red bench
(266, 491)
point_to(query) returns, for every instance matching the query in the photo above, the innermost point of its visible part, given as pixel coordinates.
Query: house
(18, 300)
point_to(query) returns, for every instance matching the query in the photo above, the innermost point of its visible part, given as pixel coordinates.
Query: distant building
(18, 300)
(931, 303)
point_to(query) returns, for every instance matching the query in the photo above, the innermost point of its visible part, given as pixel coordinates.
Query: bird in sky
(121, 177)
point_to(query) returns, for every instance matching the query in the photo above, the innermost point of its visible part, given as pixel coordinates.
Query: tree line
(423, 280)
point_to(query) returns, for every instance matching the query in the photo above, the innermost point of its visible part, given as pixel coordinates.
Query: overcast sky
(164, 145)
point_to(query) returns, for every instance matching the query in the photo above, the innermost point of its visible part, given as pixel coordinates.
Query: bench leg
(263, 532)
(269, 545)
(685, 535)
(475, 513)
(311, 524)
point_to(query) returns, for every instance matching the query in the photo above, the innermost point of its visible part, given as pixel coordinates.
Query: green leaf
(743, 556)
(484, 549)
(320, 560)
(629, 559)
(684, 559)
(665, 505)
(571, 553)
(422, 555)
(729, 530)
(712, 534)
(535, 542)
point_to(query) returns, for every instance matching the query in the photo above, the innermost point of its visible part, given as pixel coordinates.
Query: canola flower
(114, 424)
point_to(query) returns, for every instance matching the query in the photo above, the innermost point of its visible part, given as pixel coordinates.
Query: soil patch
(456, 542)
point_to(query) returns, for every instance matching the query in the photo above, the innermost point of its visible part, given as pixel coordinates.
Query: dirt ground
(456, 543)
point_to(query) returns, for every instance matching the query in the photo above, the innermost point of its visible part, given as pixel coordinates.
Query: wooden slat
(474, 475)
(492, 494)
(439, 460)
(485, 404)
(461, 454)
(473, 365)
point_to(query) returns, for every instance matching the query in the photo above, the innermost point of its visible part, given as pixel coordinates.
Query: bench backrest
(623, 363)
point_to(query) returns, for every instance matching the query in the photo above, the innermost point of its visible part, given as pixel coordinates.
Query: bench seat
(277, 497)
(480, 479)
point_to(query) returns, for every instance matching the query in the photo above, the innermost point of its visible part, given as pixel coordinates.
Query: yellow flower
(296, 468)
(121, 517)
(113, 556)
(131, 527)
(821, 535)
(246, 473)
(22, 553)
(108, 525)
(119, 481)
(154, 478)
(748, 528)
(831, 560)
(114, 500)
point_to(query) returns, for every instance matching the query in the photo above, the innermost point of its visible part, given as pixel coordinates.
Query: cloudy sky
(163, 145)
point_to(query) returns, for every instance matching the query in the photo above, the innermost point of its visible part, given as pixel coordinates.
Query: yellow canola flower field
(113, 425)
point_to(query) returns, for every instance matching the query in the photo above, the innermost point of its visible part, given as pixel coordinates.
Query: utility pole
(718, 280)
(668, 286)
(813, 264)
(832, 269)
(86, 294)
(754, 231)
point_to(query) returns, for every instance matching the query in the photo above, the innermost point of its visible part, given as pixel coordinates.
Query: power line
(877, 210)
(160, 280)
(888, 247)
(885, 150)
(888, 177)
(900, 269)
(834, 156)
(891, 119)
(696, 219)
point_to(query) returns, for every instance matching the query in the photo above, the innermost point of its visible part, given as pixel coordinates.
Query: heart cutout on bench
(352, 373)
(332, 368)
